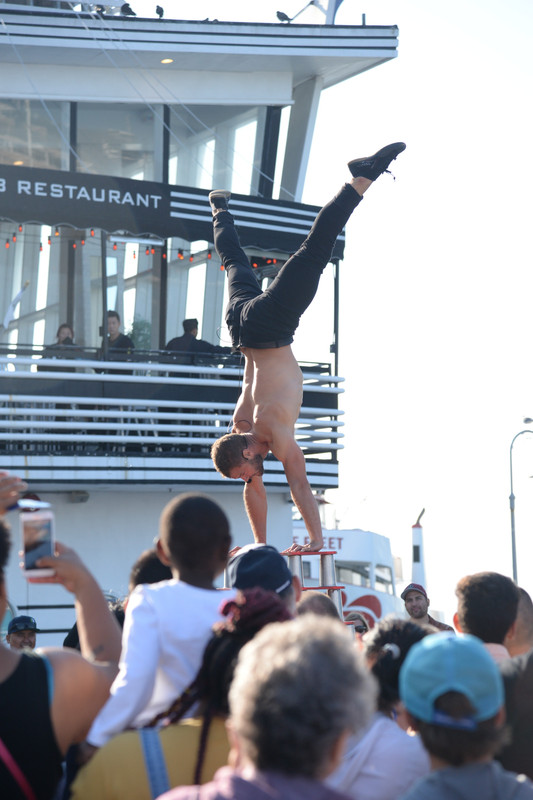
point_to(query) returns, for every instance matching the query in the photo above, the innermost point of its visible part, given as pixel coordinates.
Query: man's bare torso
(272, 393)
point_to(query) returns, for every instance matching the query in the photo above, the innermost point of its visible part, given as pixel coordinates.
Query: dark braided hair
(246, 614)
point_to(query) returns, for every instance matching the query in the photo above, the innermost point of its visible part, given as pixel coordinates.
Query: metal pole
(512, 504)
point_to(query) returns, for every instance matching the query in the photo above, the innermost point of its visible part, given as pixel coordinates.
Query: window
(353, 572)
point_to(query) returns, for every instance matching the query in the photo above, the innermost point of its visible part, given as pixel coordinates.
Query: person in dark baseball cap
(262, 565)
(21, 633)
(417, 604)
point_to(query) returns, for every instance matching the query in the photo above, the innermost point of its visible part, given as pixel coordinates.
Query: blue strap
(154, 760)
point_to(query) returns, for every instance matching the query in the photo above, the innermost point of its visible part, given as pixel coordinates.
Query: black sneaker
(374, 166)
(219, 199)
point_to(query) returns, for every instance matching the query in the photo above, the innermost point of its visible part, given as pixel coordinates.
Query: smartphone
(37, 529)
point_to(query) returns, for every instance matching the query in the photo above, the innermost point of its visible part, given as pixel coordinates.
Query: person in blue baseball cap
(21, 633)
(453, 693)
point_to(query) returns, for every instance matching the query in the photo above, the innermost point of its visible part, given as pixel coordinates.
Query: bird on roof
(159, 11)
(282, 16)
(127, 11)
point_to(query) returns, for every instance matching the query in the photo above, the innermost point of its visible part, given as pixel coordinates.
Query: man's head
(416, 601)
(453, 691)
(359, 622)
(300, 688)
(317, 603)
(21, 633)
(194, 535)
(234, 459)
(261, 565)
(487, 603)
(113, 324)
(520, 640)
(190, 326)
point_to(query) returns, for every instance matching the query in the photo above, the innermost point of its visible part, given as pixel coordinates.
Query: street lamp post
(512, 498)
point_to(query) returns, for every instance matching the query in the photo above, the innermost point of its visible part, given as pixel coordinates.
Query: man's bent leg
(297, 282)
(242, 283)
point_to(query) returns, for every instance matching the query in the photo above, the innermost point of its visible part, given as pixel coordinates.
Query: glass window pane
(31, 137)
(116, 139)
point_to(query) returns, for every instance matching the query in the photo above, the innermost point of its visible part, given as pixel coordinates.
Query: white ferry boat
(364, 566)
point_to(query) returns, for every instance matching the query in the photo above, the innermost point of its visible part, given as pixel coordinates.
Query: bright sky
(437, 280)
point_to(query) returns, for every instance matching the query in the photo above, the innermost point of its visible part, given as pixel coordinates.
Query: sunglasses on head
(360, 628)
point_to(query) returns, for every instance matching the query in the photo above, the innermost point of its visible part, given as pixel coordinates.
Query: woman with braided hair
(177, 749)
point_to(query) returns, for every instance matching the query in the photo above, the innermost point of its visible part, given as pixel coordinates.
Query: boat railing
(92, 407)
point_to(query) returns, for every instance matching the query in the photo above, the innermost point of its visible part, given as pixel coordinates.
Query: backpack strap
(154, 760)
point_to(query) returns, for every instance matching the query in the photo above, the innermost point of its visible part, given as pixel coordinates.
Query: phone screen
(37, 537)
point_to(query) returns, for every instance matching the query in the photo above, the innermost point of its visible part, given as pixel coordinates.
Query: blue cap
(22, 623)
(446, 662)
(259, 565)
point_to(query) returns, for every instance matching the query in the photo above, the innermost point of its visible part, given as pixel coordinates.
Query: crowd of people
(260, 691)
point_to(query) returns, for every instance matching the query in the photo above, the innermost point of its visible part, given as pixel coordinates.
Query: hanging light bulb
(134, 254)
(14, 237)
(92, 231)
(7, 244)
(114, 245)
(209, 254)
(20, 228)
(147, 251)
(180, 255)
(74, 245)
(191, 258)
(83, 242)
(49, 240)
(152, 250)
(41, 246)
(56, 232)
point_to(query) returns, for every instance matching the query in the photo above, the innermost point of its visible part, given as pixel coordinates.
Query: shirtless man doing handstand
(262, 325)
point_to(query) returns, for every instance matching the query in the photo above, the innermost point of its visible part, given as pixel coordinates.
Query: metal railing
(60, 407)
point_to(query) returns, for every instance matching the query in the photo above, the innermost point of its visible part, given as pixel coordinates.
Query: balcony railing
(96, 412)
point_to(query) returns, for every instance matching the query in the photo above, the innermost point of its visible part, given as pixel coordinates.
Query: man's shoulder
(441, 626)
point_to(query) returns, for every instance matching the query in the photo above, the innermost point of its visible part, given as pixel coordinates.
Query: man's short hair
(487, 605)
(453, 689)
(113, 314)
(298, 687)
(194, 530)
(189, 325)
(317, 603)
(227, 452)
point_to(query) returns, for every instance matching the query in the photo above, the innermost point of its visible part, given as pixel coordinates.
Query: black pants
(268, 319)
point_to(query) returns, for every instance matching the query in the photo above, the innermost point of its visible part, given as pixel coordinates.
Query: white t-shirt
(166, 629)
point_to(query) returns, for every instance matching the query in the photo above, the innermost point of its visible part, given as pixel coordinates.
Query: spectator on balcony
(117, 342)
(63, 347)
(188, 345)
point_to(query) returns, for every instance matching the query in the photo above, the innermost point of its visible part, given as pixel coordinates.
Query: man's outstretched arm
(303, 498)
(255, 503)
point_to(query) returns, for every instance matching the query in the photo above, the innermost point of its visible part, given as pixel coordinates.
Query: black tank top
(26, 729)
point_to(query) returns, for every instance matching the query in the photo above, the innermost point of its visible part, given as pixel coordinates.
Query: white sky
(436, 284)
